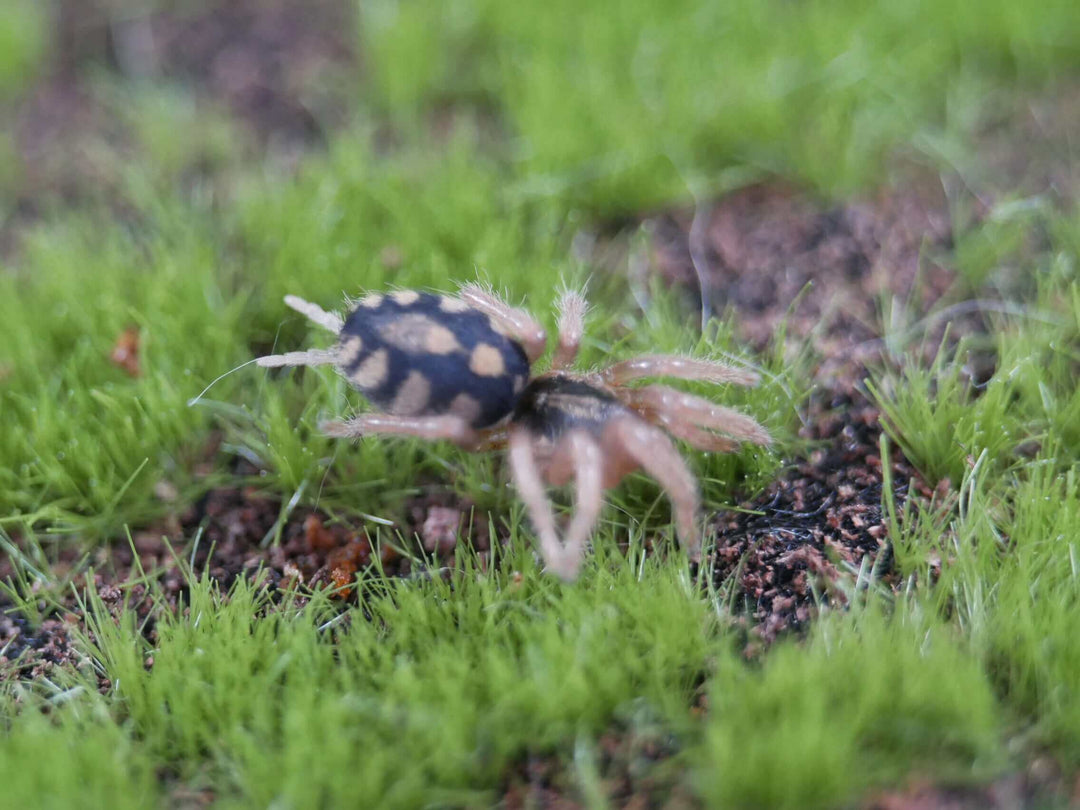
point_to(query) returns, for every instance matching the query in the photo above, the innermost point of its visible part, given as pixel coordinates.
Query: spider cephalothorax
(443, 367)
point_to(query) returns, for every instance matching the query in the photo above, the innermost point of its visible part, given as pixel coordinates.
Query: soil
(284, 70)
(800, 545)
(773, 255)
(637, 769)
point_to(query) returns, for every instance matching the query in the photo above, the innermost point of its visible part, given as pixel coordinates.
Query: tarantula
(458, 368)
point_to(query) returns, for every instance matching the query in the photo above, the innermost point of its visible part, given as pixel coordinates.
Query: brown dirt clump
(1041, 784)
(278, 65)
(242, 527)
(803, 542)
(31, 652)
(775, 255)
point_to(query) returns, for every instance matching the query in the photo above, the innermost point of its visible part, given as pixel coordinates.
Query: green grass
(431, 693)
(441, 688)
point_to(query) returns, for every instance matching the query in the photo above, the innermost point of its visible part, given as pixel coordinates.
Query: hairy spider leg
(652, 449)
(530, 487)
(446, 426)
(685, 414)
(572, 309)
(581, 452)
(677, 366)
(312, 357)
(588, 479)
(313, 312)
(517, 323)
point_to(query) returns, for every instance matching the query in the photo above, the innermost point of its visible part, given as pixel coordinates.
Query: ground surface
(206, 602)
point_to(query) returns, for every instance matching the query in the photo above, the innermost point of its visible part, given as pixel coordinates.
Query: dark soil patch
(804, 541)
(1042, 784)
(284, 69)
(232, 533)
(241, 526)
(1029, 148)
(279, 65)
(774, 255)
(637, 769)
(32, 652)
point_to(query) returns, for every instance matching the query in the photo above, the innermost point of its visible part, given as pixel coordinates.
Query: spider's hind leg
(678, 366)
(445, 426)
(581, 452)
(327, 320)
(312, 357)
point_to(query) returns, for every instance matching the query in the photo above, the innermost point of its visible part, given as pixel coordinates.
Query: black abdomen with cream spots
(418, 354)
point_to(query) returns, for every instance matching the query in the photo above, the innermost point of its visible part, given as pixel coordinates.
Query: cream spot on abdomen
(372, 372)
(440, 340)
(405, 297)
(416, 333)
(486, 361)
(448, 304)
(413, 395)
(349, 350)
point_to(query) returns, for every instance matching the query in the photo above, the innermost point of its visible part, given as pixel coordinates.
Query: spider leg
(676, 409)
(653, 450)
(530, 487)
(588, 467)
(572, 308)
(698, 438)
(673, 365)
(517, 323)
(312, 357)
(448, 426)
(491, 438)
(315, 313)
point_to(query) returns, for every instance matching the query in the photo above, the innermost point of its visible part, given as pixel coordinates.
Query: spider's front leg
(677, 366)
(576, 454)
(653, 450)
(692, 418)
(583, 455)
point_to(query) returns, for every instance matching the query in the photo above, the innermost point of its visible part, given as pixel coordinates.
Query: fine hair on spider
(458, 367)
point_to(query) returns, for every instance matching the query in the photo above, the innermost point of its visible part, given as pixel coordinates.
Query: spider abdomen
(419, 354)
